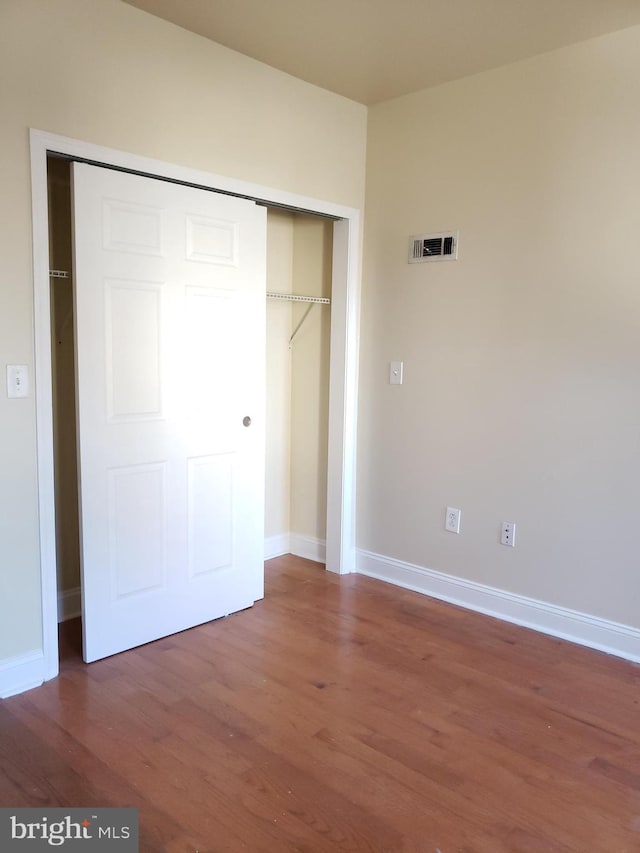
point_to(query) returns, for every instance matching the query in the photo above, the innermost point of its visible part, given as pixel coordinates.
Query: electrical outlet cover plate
(508, 533)
(452, 520)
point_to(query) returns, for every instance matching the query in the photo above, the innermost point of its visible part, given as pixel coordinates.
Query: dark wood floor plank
(340, 714)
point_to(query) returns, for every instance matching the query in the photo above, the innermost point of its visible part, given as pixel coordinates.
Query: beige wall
(109, 74)
(521, 399)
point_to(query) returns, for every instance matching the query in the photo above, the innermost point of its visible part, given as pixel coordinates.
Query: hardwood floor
(340, 714)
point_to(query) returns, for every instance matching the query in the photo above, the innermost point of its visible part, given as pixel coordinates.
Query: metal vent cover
(440, 246)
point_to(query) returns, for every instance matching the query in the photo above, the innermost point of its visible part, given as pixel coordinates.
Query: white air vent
(442, 246)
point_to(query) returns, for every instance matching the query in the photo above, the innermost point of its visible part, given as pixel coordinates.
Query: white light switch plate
(395, 372)
(17, 380)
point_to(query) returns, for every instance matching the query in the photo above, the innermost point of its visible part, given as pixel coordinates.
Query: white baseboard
(69, 604)
(21, 673)
(611, 637)
(308, 547)
(276, 546)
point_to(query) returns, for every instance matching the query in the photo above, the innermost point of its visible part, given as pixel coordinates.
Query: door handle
(246, 421)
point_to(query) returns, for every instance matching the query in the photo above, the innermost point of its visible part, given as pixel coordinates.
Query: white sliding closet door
(170, 317)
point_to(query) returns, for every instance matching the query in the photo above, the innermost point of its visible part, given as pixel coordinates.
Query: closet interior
(299, 264)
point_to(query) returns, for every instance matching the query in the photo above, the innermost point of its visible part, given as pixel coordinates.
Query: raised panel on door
(169, 291)
(133, 338)
(137, 507)
(211, 523)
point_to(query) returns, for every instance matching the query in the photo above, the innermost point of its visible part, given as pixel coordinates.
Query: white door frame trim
(343, 386)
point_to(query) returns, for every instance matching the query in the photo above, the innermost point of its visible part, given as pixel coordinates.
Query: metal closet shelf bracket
(293, 297)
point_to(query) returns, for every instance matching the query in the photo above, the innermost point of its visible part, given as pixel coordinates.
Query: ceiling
(372, 50)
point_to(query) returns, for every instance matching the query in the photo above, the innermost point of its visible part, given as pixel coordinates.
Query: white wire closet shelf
(294, 297)
(287, 297)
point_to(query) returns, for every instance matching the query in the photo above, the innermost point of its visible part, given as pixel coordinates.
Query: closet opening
(298, 342)
(67, 532)
(299, 264)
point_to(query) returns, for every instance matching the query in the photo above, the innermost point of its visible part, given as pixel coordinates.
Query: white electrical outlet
(452, 520)
(508, 533)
